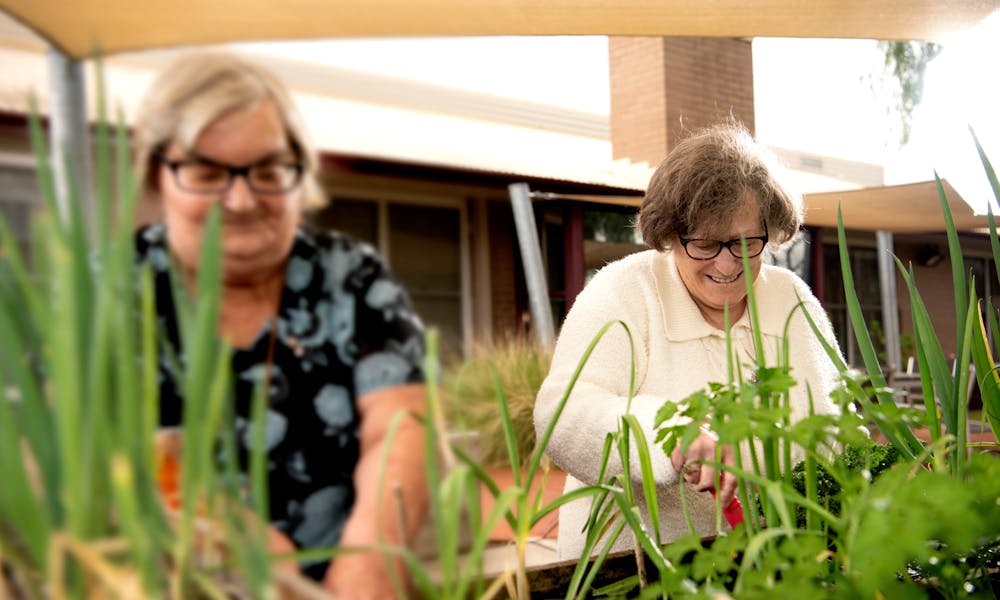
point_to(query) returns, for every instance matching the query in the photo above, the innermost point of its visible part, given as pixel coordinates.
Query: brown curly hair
(707, 178)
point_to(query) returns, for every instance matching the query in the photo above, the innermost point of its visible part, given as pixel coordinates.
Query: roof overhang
(79, 26)
(909, 208)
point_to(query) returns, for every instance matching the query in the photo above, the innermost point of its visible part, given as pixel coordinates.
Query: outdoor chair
(909, 392)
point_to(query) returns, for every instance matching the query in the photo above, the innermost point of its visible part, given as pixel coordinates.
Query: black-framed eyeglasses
(205, 176)
(703, 249)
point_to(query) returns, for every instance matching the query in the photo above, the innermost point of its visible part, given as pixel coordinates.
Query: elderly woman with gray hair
(715, 188)
(318, 312)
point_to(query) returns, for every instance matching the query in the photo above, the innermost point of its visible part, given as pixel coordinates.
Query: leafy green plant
(867, 460)
(820, 529)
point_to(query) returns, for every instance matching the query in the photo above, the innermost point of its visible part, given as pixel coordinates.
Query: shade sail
(77, 26)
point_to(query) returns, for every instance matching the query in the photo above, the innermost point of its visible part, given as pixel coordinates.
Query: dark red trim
(573, 251)
(15, 125)
(818, 271)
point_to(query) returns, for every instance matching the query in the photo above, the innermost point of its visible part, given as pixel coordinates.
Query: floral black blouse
(345, 327)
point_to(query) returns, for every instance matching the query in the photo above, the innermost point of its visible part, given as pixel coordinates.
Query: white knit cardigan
(676, 353)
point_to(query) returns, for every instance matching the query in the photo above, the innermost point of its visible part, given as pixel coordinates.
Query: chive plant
(81, 512)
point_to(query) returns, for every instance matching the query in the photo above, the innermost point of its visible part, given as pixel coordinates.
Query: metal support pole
(531, 258)
(69, 136)
(890, 302)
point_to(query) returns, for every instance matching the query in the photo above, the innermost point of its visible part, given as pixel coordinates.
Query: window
(864, 266)
(984, 272)
(18, 197)
(424, 253)
(422, 245)
(609, 233)
(795, 256)
(553, 230)
(358, 218)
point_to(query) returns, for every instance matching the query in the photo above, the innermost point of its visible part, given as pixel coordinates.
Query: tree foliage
(905, 67)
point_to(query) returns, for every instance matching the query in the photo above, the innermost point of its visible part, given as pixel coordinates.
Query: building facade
(422, 172)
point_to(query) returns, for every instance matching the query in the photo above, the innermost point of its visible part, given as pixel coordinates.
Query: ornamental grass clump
(515, 368)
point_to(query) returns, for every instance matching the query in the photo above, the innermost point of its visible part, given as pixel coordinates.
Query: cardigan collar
(683, 319)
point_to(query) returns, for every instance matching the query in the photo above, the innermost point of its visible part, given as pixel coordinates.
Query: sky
(566, 71)
(818, 95)
(814, 95)
(962, 92)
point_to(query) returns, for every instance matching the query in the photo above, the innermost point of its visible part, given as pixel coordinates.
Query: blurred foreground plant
(81, 510)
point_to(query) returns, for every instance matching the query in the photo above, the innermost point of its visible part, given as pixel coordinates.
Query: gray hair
(199, 88)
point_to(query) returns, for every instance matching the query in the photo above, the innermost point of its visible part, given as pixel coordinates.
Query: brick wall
(663, 87)
(638, 98)
(505, 270)
(934, 283)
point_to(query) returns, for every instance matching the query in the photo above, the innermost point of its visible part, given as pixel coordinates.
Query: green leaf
(930, 356)
(854, 309)
(543, 440)
(632, 427)
(510, 437)
(19, 507)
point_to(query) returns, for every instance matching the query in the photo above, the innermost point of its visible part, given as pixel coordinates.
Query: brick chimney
(663, 87)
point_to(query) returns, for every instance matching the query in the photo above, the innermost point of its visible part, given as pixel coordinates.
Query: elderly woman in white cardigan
(716, 187)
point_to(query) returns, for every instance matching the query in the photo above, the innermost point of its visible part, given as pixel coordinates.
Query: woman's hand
(702, 476)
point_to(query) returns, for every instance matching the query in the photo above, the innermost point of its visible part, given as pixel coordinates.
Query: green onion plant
(81, 510)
